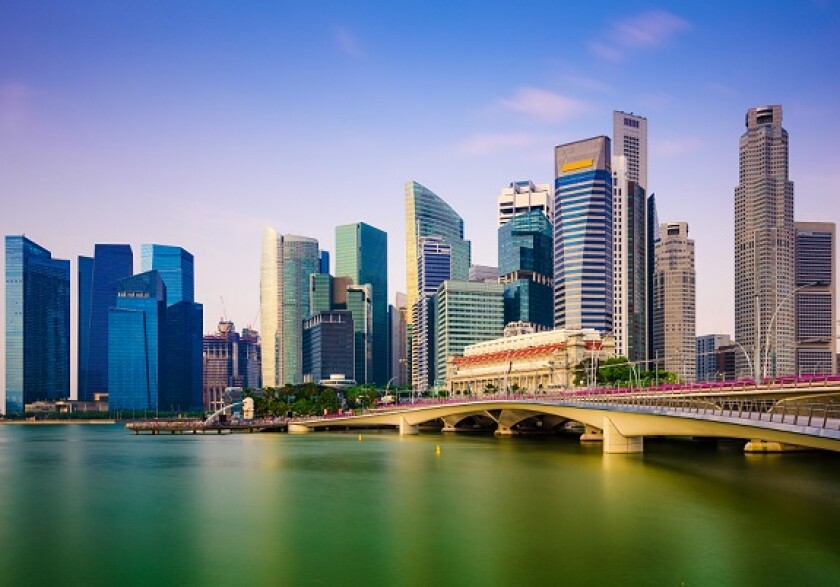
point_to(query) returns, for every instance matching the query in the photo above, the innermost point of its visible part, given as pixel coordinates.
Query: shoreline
(50, 422)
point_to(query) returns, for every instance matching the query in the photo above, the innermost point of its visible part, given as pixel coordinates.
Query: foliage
(619, 372)
(307, 399)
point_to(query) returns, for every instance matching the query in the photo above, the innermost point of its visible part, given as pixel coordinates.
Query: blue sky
(196, 123)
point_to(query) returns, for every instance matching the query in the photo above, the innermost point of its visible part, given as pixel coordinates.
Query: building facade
(176, 267)
(399, 341)
(286, 263)
(674, 301)
(707, 351)
(525, 196)
(816, 297)
(483, 274)
(328, 346)
(764, 245)
(583, 235)
(526, 267)
(434, 266)
(361, 253)
(98, 279)
(360, 305)
(630, 259)
(37, 325)
(230, 360)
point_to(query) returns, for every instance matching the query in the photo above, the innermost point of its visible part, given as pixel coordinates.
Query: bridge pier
(299, 429)
(616, 443)
(591, 434)
(407, 429)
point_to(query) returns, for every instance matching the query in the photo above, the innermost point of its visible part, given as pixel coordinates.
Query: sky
(196, 123)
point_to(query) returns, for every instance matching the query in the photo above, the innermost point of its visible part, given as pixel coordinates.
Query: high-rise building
(816, 297)
(583, 235)
(526, 267)
(434, 266)
(630, 255)
(707, 350)
(98, 278)
(136, 335)
(426, 214)
(764, 245)
(328, 346)
(37, 325)
(674, 301)
(524, 196)
(175, 266)
(466, 313)
(399, 341)
(361, 253)
(320, 293)
(324, 262)
(651, 237)
(360, 305)
(286, 263)
(483, 274)
(230, 360)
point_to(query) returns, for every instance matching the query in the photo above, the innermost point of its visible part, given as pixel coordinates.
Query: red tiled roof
(534, 351)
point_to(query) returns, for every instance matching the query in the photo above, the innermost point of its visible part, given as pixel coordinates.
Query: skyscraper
(426, 214)
(399, 340)
(674, 301)
(136, 335)
(816, 297)
(707, 349)
(98, 279)
(630, 242)
(285, 266)
(361, 253)
(230, 360)
(37, 325)
(764, 244)
(434, 266)
(175, 266)
(583, 235)
(328, 346)
(360, 304)
(524, 196)
(526, 267)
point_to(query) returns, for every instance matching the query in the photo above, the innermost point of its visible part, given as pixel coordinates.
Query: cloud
(544, 105)
(347, 42)
(15, 104)
(589, 83)
(490, 143)
(646, 31)
(675, 147)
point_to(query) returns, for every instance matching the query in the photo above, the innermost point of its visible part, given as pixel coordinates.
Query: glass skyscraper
(526, 267)
(815, 300)
(433, 268)
(361, 253)
(37, 325)
(583, 235)
(98, 279)
(426, 214)
(136, 331)
(176, 268)
(328, 346)
(360, 304)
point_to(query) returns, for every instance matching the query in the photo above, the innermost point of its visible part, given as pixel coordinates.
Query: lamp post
(773, 319)
(746, 356)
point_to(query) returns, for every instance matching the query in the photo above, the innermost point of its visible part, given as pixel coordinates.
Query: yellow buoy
(360, 437)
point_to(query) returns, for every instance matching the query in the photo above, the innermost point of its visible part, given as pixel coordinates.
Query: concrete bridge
(773, 418)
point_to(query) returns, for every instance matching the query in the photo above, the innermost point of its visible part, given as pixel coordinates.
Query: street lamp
(773, 319)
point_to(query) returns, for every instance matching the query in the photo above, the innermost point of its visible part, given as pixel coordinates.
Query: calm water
(94, 505)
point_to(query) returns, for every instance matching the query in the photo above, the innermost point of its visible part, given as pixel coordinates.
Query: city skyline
(79, 147)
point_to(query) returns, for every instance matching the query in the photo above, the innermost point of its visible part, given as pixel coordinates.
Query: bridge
(775, 415)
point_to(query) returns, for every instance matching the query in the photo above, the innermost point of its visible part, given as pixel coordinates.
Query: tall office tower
(526, 267)
(629, 160)
(399, 341)
(816, 297)
(324, 261)
(285, 266)
(434, 266)
(136, 333)
(651, 237)
(524, 196)
(181, 368)
(320, 293)
(583, 235)
(230, 360)
(764, 245)
(176, 268)
(674, 301)
(707, 349)
(483, 274)
(466, 313)
(428, 215)
(361, 253)
(37, 325)
(328, 346)
(98, 278)
(360, 304)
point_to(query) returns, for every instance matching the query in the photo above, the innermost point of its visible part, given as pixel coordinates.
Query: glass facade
(361, 253)
(360, 304)
(37, 325)
(176, 268)
(320, 293)
(583, 236)
(98, 279)
(815, 302)
(328, 346)
(181, 362)
(135, 340)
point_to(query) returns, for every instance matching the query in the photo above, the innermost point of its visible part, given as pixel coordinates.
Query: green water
(95, 505)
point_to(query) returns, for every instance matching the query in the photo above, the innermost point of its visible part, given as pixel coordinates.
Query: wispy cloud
(646, 31)
(15, 104)
(490, 143)
(544, 105)
(589, 83)
(677, 146)
(347, 42)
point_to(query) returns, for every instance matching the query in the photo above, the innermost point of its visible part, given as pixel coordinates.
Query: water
(95, 505)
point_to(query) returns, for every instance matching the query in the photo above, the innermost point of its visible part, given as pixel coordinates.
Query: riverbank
(42, 422)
